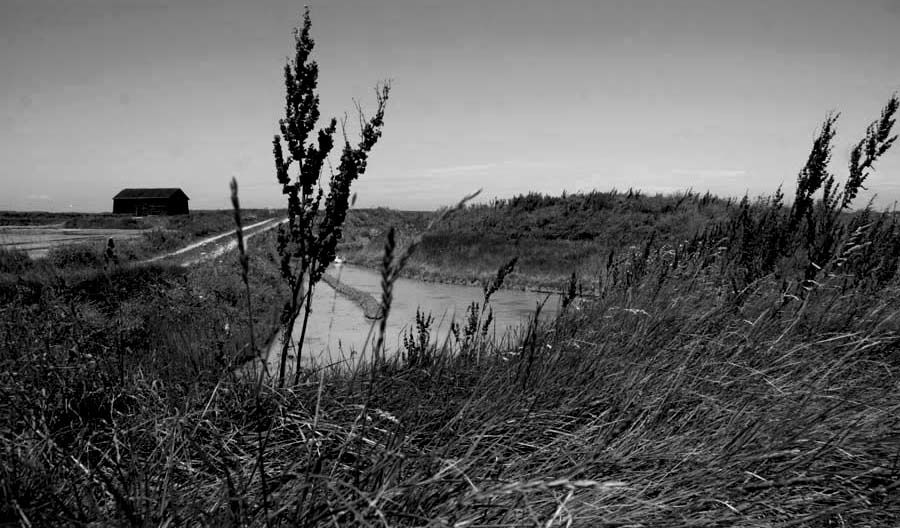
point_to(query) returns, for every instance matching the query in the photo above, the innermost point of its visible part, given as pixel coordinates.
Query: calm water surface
(338, 330)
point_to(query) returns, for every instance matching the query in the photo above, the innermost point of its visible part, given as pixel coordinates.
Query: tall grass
(816, 233)
(655, 405)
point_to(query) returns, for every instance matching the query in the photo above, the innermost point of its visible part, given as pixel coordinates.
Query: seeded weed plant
(307, 243)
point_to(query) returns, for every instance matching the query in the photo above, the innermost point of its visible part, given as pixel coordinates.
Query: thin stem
(289, 327)
(307, 310)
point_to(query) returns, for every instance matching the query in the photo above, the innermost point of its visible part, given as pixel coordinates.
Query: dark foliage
(308, 242)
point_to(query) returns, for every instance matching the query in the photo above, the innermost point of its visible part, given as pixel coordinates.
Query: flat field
(37, 233)
(37, 241)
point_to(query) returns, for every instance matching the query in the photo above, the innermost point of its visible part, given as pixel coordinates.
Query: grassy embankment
(552, 236)
(747, 377)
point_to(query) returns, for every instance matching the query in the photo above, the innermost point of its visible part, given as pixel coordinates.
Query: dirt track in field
(215, 246)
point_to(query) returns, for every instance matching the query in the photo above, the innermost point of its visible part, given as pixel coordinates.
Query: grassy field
(197, 224)
(153, 235)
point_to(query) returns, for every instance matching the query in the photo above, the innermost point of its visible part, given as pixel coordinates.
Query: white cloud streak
(481, 168)
(710, 173)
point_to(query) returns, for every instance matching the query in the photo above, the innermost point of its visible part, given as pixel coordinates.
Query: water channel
(338, 331)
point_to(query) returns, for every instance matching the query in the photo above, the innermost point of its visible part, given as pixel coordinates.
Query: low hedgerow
(163, 240)
(72, 256)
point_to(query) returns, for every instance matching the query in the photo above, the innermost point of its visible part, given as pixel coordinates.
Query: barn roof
(148, 193)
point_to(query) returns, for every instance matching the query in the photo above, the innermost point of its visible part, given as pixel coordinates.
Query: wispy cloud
(481, 168)
(710, 173)
(464, 169)
(40, 197)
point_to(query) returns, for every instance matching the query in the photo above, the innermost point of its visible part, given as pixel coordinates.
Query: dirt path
(215, 246)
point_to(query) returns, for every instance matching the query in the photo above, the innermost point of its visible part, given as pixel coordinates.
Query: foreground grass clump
(652, 406)
(89, 352)
(13, 261)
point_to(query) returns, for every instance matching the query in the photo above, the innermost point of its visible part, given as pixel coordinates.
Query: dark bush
(74, 256)
(13, 261)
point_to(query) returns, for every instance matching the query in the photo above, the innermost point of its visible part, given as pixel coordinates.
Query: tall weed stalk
(308, 241)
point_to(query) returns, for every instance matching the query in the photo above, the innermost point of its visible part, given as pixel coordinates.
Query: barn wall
(178, 205)
(123, 206)
(145, 206)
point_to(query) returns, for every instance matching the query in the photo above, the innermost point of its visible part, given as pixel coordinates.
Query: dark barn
(140, 202)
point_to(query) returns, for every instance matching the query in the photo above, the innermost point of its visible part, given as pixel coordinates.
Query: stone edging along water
(370, 307)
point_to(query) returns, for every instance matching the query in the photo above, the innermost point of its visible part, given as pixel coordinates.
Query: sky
(510, 96)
